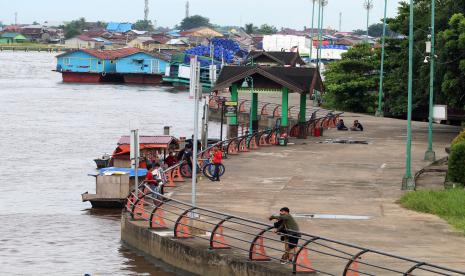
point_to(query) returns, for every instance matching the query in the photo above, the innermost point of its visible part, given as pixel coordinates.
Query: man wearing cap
(287, 227)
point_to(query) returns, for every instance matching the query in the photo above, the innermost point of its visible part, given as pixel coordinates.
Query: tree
(376, 30)
(359, 32)
(144, 25)
(452, 40)
(267, 29)
(395, 89)
(194, 21)
(351, 83)
(75, 27)
(250, 28)
(35, 23)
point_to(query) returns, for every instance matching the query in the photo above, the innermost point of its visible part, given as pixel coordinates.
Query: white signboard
(184, 72)
(134, 146)
(440, 112)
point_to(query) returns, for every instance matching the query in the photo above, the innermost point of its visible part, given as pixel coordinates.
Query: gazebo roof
(296, 79)
(282, 58)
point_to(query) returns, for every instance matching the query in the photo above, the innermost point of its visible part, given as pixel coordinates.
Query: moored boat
(125, 65)
(112, 186)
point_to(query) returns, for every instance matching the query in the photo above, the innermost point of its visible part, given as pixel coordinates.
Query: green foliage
(449, 76)
(264, 29)
(267, 29)
(456, 171)
(359, 32)
(194, 21)
(447, 204)
(452, 40)
(459, 138)
(250, 28)
(143, 25)
(376, 30)
(351, 82)
(75, 27)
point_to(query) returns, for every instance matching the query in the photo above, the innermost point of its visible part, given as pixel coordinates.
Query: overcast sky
(289, 13)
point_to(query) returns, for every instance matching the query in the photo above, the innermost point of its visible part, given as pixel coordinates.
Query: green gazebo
(258, 79)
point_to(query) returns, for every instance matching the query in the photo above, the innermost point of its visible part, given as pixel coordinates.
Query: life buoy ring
(104, 74)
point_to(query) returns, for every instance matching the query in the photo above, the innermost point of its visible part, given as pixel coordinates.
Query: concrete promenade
(315, 177)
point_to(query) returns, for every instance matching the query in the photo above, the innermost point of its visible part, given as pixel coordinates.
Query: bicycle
(208, 169)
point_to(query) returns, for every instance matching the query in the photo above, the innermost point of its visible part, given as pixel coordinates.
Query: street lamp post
(368, 6)
(311, 34)
(379, 111)
(319, 36)
(408, 181)
(430, 155)
(252, 114)
(323, 3)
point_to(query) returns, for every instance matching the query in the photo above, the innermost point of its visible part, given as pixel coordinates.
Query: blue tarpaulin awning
(115, 171)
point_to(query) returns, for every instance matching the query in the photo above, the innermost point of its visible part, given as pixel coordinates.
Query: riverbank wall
(190, 256)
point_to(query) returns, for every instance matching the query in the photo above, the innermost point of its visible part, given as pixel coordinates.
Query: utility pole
(146, 10)
(340, 21)
(430, 155)
(408, 182)
(134, 154)
(368, 6)
(379, 111)
(187, 9)
(195, 88)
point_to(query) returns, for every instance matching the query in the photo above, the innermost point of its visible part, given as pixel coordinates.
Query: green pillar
(303, 116)
(253, 113)
(303, 108)
(430, 155)
(408, 182)
(284, 109)
(233, 126)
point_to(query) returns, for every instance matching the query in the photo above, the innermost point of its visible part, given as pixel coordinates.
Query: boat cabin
(152, 148)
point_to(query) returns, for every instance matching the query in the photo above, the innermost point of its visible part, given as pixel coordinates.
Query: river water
(49, 134)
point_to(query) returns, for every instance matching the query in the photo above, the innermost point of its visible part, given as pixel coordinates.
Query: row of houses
(31, 33)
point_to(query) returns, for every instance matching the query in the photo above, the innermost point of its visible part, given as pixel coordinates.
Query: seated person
(341, 126)
(171, 160)
(357, 126)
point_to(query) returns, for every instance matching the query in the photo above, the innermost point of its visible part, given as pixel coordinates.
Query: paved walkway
(313, 177)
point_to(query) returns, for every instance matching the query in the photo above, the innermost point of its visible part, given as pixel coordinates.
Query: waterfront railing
(256, 241)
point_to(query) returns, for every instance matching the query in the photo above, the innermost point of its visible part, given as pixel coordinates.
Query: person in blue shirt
(341, 126)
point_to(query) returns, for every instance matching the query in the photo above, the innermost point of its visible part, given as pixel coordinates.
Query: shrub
(456, 171)
(459, 138)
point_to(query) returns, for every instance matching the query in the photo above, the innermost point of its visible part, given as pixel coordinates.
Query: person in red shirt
(171, 160)
(217, 159)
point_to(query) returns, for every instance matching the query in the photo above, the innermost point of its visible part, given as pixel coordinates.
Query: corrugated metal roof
(116, 53)
(159, 139)
(112, 54)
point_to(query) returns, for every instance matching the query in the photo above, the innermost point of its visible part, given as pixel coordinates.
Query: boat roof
(110, 54)
(155, 139)
(116, 171)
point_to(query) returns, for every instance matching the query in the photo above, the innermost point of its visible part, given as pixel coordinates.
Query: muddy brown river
(50, 132)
